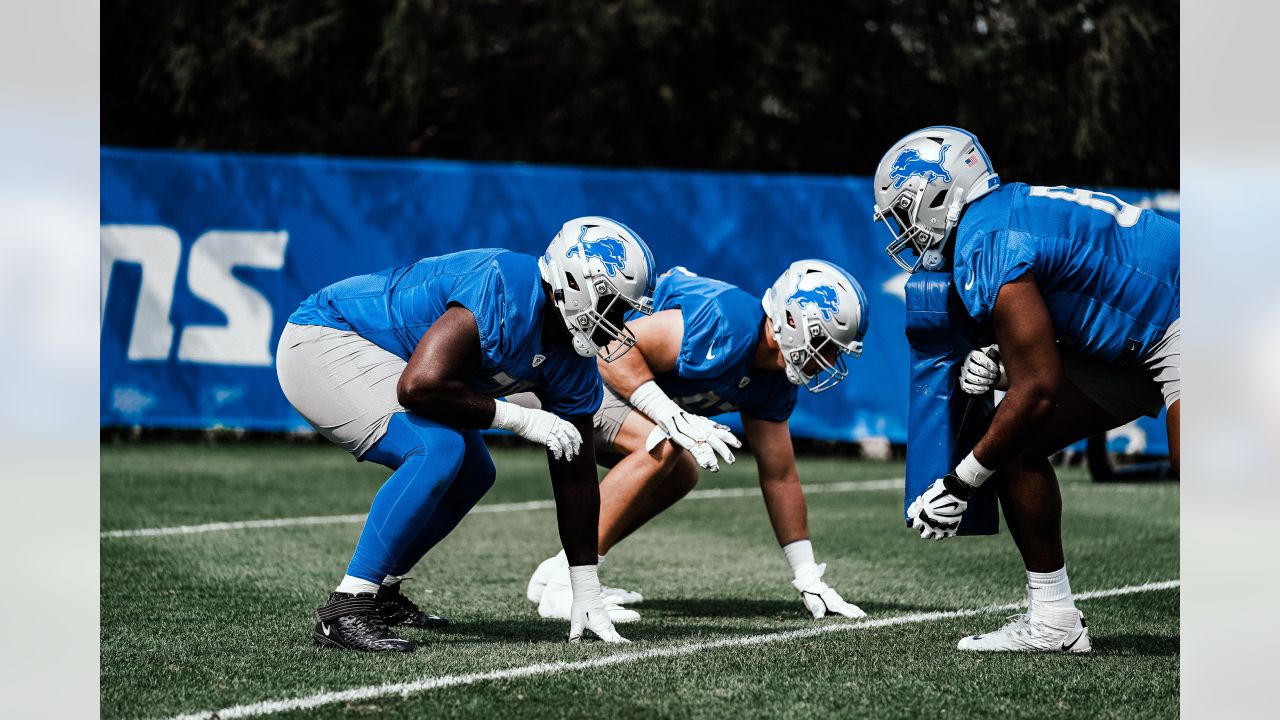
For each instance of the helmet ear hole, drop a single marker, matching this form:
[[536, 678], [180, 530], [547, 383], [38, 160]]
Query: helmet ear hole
[[790, 320], [938, 200], [571, 282]]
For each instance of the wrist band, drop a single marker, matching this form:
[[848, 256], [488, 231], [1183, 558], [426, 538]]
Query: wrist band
[[972, 472]]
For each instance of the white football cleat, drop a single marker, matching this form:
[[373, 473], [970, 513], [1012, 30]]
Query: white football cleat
[[557, 602], [543, 575], [1043, 631], [556, 569], [618, 596]]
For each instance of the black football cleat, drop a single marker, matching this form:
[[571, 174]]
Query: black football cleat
[[396, 609], [352, 622]]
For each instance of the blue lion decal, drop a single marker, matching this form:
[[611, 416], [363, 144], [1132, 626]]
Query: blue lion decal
[[822, 297], [909, 164], [610, 251]]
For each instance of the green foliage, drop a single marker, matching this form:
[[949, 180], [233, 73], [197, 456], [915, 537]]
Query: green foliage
[[1084, 92]]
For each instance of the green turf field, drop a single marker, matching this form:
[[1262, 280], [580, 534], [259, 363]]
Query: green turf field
[[210, 621]]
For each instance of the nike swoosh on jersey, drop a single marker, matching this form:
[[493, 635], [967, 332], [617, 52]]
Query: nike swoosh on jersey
[[713, 347], [969, 283]]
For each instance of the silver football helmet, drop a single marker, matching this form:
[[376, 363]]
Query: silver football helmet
[[598, 269], [922, 184], [815, 308]]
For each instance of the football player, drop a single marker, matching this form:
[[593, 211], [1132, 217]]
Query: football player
[[1080, 293], [401, 368], [710, 348]]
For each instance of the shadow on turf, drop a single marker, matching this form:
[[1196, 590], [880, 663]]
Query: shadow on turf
[[772, 609], [539, 630], [1141, 644]]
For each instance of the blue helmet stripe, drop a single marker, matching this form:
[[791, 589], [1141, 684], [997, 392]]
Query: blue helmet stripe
[[971, 136], [650, 265]]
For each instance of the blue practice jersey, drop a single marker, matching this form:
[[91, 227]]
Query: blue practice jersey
[[1109, 272], [713, 374], [393, 309]]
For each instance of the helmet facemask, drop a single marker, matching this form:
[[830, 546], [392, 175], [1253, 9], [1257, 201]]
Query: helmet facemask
[[908, 234], [814, 346], [611, 339]]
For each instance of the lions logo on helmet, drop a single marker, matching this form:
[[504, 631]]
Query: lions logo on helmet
[[909, 164], [922, 184], [818, 315], [608, 250], [822, 297], [597, 268]]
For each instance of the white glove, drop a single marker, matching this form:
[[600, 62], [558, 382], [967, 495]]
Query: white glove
[[540, 426], [937, 512], [982, 371], [699, 435], [819, 597], [588, 609]]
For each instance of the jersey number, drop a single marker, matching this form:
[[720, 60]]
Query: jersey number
[[1126, 215], [245, 339]]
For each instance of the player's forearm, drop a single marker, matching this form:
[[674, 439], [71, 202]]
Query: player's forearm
[[626, 373], [1018, 419], [446, 401], [577, 494], [784, 499]]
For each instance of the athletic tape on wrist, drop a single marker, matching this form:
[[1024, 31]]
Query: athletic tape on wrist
[[972, 472]]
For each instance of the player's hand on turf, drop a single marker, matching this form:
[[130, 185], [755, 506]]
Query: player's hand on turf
[[982, 371], [559, 436], [588, 611], [936, 513], [820, 598]]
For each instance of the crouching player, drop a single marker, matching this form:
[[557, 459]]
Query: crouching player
[[711, 348], [400, 367], [1080, 291]]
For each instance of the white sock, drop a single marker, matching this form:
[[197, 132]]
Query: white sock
[[1050, 591], [800, 557], [599, 560], [564, 559], [355, 585]]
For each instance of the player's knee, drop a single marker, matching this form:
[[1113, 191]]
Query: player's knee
[[438, 447], [483, 475], [1033, 460], [684, 471]]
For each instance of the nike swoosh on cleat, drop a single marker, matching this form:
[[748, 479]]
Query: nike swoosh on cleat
[[1066, 646], [325, 628]]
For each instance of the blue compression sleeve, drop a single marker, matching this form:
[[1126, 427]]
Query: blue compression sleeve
[[414, 509]]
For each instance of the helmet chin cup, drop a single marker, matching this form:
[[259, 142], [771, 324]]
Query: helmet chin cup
[[583, 347], [932, 259]]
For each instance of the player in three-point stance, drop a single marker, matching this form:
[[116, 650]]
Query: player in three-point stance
[[1080, 293], [711, 348], [401, 367]]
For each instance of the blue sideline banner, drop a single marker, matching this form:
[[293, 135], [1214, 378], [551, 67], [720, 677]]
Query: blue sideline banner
[[205, 255]]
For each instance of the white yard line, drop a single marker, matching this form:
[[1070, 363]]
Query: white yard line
[[404, 689], [838, 487], [863, 486]]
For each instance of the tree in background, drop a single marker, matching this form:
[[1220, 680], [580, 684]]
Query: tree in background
[[1085, 92]]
